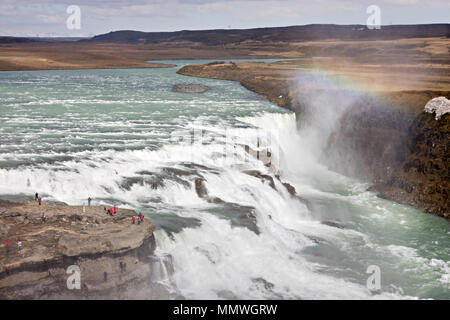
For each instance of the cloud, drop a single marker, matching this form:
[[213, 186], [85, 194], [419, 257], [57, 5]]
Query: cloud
[[50, 19], [18, 17], [401, 2]]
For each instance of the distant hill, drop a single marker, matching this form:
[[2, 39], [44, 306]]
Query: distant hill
[[8, 39], [15, 40], [59, 38], [277, 34]]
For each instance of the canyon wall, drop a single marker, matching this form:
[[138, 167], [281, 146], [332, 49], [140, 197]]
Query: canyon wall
[[405, 156]]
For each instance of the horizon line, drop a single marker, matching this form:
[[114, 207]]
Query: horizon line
[[224, 29]]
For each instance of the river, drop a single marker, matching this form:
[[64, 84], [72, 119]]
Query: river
[[124, 137]]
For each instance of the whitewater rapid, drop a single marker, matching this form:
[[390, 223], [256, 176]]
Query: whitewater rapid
[[249, 238], [219, 261]]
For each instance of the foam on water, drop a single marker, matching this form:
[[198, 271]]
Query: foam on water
[[137, 153]]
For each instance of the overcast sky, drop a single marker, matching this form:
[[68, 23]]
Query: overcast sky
[[48, 17]]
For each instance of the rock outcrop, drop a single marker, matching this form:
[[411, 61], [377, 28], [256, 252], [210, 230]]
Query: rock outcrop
[[368, 141], [190, 88], [113, 255], [405, 158], [269, 180], [422, 178], [202, 192]]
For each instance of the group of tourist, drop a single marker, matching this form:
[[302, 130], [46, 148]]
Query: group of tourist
[[111, 211], [140, 219]]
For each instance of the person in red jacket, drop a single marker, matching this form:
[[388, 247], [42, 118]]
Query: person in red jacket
[[133, 220], [7, 244], [115, 209]]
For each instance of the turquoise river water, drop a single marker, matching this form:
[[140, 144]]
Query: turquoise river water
[[125, 137]]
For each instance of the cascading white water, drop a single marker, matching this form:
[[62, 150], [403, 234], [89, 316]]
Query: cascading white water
[[248, 237], [217, 260]]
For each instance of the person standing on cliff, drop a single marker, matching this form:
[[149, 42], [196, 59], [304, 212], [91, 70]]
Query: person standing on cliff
[[133, 220], [115, 209], [7, 244], [36, 196], [40, 200], [89, 201]]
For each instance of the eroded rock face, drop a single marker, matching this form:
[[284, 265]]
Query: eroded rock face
[[369, 140], [92, 240], [264, 177], [200, 188], [202, 192], [422, 179], [405, 158]]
